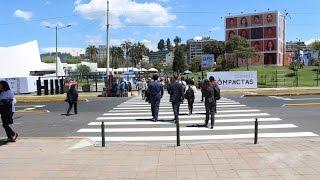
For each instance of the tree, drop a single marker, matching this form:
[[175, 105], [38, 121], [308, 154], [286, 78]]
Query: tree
[[137, 51], [83, 69], [161, 45], [246, 53], [295, 65], [214, 47], [48, 59], [116, 54], [177, 41], [316, 47], [195, 64], [146, 64], [126, 46], [74, 60], [169, 46], [178, 60], [92, 52], [236, 45]]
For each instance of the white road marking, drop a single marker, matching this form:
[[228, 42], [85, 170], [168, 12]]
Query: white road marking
[[108, 123], [185, 117], [207, 137], [161, 107], [173, 129], [147, 112], [167, 104]]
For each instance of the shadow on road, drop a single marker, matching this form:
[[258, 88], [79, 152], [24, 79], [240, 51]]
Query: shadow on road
[[3, 142]]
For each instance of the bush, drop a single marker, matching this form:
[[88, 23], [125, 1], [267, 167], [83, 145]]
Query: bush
[[86, 88], [291, 74]]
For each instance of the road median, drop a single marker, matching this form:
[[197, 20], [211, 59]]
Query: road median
[[275, 91], [32, 98]]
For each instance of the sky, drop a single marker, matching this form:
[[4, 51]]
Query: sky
[[145, 21]]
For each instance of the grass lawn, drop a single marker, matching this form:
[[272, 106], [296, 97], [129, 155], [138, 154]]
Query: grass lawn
[[277, 76]]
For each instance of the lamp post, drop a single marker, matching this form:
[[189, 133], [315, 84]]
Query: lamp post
[[57, 28]]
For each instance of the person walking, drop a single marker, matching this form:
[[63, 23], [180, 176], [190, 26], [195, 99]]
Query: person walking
[[190, 94], [72, 99], [176, 91], [7, 110], [210, 102], [155, 94], [122, 88], [143, 87]]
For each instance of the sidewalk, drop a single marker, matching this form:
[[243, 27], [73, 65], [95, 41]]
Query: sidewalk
[[60, 158]]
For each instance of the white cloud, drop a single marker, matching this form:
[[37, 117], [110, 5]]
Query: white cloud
[[180, 27], [214, 29], [308, 42], [149, 44], [74, 51], [125, 11], [25, 15], [59, 24], [93, 39], [47, 2]]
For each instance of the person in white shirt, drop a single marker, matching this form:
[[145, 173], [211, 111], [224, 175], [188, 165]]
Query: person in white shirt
[[7, 110]]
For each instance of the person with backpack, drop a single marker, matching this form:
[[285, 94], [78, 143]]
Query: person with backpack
[[216, 89], [190, 94], [72, 99], [210, 102]]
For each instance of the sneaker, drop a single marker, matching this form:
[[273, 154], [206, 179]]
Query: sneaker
[[14, 137]]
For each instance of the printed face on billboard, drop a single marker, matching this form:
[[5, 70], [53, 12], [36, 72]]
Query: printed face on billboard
[[231, 34], [270, 58], [257, 60], [245, 33], [258, 45], [256, 20], [244, 21], [270, 18], [270, 45], [231, 23], [270, 32], [256, 33]]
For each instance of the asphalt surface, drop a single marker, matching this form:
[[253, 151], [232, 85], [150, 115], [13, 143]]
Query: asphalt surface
[[307, 118], [54, 124]]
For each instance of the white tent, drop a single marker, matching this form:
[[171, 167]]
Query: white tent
[[19, 60], [153, 70]]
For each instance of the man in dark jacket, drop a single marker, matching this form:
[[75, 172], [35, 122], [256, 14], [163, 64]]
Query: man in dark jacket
[[72, 99], [176, 92], [155, 89]]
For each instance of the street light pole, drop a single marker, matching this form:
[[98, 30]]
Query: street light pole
[[57, 50], [107, 44], [56, 29]]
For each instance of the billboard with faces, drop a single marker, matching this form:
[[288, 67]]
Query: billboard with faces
[[244, 22], [231, 23]]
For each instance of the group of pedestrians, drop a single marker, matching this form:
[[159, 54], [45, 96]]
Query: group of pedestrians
[[119, 89], [180, 89]]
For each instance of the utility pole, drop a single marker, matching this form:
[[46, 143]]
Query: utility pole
[[56, 29], [57, 50], [107, 52]]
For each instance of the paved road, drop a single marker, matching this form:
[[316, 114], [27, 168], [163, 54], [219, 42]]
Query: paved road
[[236, 117], [53, 124], [130, 122]]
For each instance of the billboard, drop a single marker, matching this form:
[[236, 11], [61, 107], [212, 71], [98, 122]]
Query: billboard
[[207, 60], [264, 31], [235, 79]]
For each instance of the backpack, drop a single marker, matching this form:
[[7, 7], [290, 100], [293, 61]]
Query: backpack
[[189, 93], [216, 93]]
